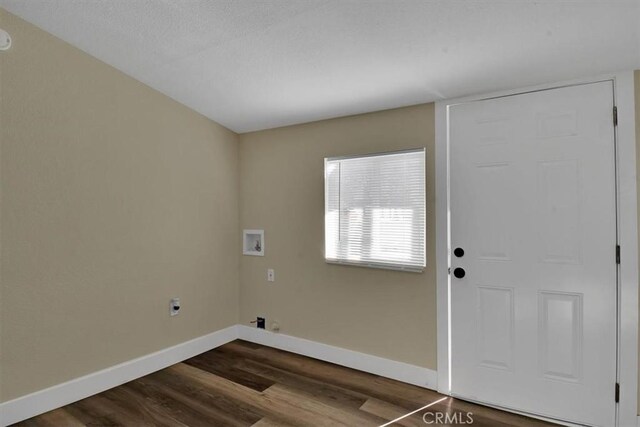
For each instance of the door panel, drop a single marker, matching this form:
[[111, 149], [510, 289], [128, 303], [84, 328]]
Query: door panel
[[532, 196], [560, 336], [559, 211], [495, 337]]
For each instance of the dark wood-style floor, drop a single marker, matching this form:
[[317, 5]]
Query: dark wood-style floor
[[245, 384]]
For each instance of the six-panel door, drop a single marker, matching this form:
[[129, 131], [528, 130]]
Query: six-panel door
[[532, 187]]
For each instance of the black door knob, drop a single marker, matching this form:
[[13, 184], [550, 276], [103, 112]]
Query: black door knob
[[459, 252], [459, 273]]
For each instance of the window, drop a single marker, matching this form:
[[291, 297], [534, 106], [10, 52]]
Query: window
[[374, 210]]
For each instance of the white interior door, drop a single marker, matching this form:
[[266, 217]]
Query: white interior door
[[533, 206]]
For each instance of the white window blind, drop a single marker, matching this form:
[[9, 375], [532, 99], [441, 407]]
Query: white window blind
[[375, 210]]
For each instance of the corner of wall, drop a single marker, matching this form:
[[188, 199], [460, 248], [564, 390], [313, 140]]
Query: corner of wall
[[636, 75]]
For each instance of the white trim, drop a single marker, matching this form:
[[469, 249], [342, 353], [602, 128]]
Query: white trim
[[442, 248], [416, 375], [627, 230], [42, 401], [628, 239], [63, 394], [380, 266]]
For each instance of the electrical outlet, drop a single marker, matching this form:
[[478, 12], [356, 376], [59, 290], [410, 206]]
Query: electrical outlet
[[271, 275], [174, 306], [260, 322]]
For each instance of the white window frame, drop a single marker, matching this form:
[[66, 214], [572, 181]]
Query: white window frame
[[384, 266]]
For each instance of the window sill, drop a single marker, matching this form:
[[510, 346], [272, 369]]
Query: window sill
[[394, 267]]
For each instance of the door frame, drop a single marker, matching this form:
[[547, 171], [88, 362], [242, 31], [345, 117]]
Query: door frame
[[625, 134]]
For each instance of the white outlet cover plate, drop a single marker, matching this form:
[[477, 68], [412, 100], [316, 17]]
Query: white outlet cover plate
[[5, 40]]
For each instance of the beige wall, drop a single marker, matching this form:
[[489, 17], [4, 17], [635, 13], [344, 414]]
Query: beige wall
[[385, 313], [114, 199]]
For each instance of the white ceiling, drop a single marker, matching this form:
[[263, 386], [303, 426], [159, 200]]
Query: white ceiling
[[256, 64]]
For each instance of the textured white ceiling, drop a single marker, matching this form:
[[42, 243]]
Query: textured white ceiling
[[256, 64]]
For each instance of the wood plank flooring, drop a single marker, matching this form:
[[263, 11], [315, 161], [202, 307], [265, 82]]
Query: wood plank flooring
[[245, 384]]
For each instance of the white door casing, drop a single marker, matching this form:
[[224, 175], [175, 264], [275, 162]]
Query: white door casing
[[532, 199]]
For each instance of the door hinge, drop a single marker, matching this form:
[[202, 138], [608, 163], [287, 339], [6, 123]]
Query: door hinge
[[617, 254], [617, 392], [615, 116]]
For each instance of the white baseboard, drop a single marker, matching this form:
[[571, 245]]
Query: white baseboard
[[63, 394], [416, 375]]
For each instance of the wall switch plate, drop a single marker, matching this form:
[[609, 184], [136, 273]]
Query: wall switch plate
[[271, 275]]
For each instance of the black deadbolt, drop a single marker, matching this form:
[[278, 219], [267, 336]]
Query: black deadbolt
[[459, 252], [459, 273]]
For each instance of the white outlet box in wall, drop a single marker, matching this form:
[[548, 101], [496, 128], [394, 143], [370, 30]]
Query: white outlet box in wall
[[271, 275], [253, 242]]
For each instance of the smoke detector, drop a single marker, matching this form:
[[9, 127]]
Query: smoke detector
[[5, 40]]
